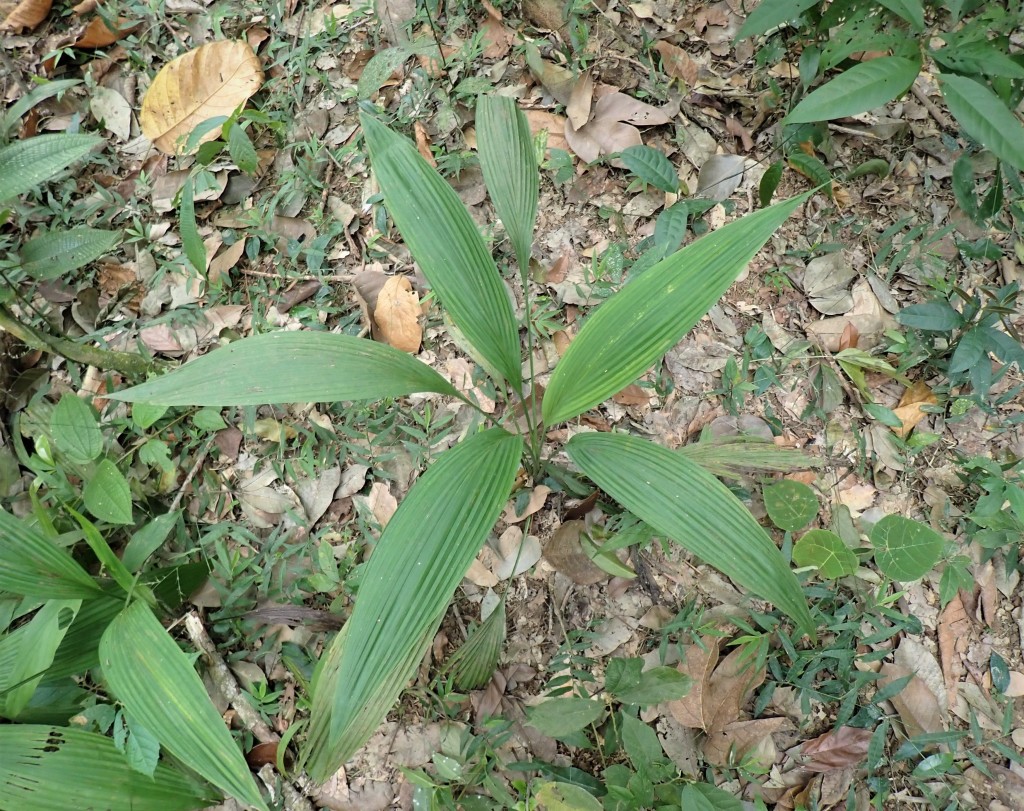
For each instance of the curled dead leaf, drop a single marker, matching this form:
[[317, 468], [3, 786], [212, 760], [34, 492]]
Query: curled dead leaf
[[210, 81], [26, 15]]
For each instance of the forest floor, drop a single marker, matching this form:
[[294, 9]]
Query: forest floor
[[911, 696]]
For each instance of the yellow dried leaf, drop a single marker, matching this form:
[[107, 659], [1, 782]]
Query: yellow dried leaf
[[398, 315], [909, 409], [211, 81]]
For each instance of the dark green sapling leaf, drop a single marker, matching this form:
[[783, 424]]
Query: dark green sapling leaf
[[651, 166], [561, 716]]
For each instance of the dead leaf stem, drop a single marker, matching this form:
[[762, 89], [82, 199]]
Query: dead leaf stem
[[126, 363]]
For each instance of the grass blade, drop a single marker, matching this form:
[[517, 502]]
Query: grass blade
[[648, 316], [44, 767], [156, 683], [686, 503], [291, 367], [509, 164], [415, 568], [448, 247]]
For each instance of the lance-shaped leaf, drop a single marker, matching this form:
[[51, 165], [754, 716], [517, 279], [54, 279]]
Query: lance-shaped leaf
[[861, 88], [985, 118], [34, 566], [684, 502], [421, 557], [291, 367], [27, 652], [649, 315], [509, 164], [159, 688], [46, 767], [26, 164], [445, 242]]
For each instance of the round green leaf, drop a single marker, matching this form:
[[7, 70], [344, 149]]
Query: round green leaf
[[905, 550], [107, 495], [826, 551], [791, 505], [75, 430]]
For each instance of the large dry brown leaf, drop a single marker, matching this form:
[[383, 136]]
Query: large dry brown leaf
[[954, 634], [917, 706], [211, 81], [26, 15], [836, 749], [398, 315], [611, 128], [578, 108], [678, 63], [565, 554], [720, 688]]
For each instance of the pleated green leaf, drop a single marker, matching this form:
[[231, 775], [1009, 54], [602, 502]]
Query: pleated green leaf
[[159, 688], [27, 652], [985, 118], [684, 502], [43, 768], [34, 566], [509, 163], [445, 242], [863, 87], [421, 557], [26, 164], [291, 367], [55, 253], [649, 315]]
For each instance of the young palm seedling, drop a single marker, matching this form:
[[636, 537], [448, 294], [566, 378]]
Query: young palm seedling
[[444, 520]]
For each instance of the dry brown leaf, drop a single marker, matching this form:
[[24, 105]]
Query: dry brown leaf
[[916, 704], [743, 740], [678, 63], [394, 17], [692, 709], [836, 749], [954, 633], [541, 120], [611, 128], [909, 408], [546, 14], [26, 15], [632, 395], [496, 35], [379, 502], [98, 34], [565, 554], [210, 81], [867, 316], [222, 263], [397, 315], [537, 498], [423, 143], [578, 108]]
